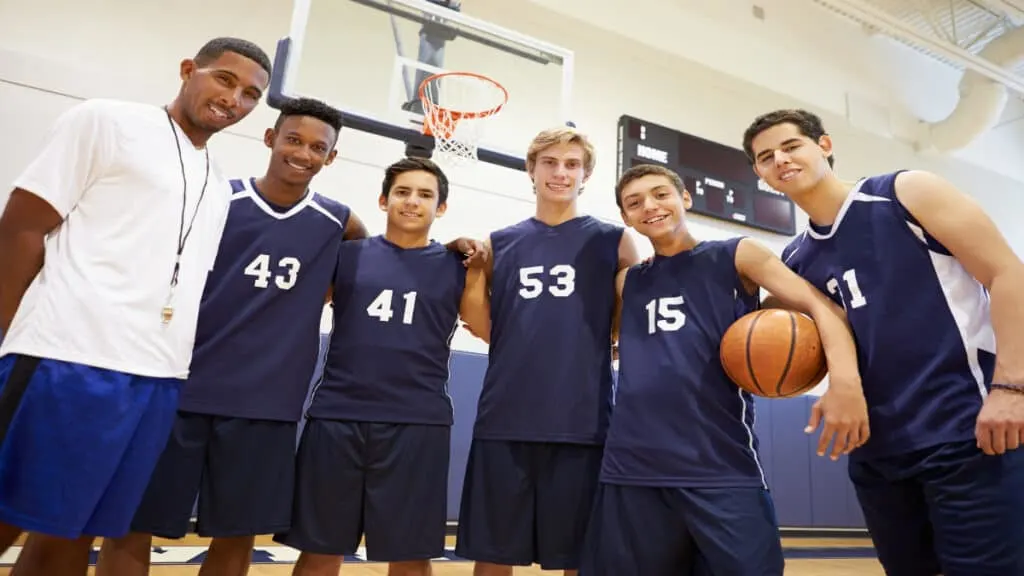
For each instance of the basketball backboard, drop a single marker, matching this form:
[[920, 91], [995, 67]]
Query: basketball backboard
[[368, 57]]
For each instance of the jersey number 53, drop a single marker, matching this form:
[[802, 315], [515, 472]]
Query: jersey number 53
[[560, 280]]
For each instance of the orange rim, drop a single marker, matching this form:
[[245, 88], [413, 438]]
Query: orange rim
[[433, 111]]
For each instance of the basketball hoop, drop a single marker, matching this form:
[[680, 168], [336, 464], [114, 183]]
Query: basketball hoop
[[456, 105]]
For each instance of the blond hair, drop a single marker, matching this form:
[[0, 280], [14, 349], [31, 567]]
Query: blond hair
[[561, 135]]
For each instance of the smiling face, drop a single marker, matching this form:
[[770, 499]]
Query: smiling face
[[220, 93], [559, 162], [413, 201], [300, 147], [789, 150], [789, 161], [559, 173], [654, 205]]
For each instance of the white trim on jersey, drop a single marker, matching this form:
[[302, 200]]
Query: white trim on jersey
[[855, 195], [968, 303], [448, 365], [750, 434], [308, 201], [967, 299], [325, 338]]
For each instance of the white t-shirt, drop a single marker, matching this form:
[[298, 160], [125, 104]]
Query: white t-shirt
[[112, 170]]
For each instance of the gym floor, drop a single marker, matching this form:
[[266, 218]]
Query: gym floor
[[805, 556]]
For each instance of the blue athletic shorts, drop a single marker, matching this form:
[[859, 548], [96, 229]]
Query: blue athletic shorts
[[527, 503], [78, 444], [947, 509], [383, 483], [651, 531], [241, 471]]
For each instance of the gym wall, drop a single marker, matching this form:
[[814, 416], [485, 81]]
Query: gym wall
[[723, 72]]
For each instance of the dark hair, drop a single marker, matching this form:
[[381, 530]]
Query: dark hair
[[218, 46], [411, 164], [808, 123], [641, 170], [312, 108]]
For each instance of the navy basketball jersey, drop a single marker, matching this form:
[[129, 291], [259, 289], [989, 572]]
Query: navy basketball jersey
[[395, 314], [549, 374], [678, 420], [259, 323], [925, 344]]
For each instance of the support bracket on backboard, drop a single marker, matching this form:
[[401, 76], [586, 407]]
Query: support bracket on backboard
[[552, 67], [417, 143]]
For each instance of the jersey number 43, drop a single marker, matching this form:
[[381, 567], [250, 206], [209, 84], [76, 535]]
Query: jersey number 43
[[287, 271]]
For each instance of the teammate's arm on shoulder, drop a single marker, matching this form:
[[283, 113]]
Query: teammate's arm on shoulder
[[25, 222], [487, 264], [620, 282], [770, 300], [959, 223], [629, 256], [354, 228], [759, 266], [477, 253], [475, 307], [843, 408], [628, 253]]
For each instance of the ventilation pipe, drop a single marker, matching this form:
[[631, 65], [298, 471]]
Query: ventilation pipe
[[982, 100], [984, 87]]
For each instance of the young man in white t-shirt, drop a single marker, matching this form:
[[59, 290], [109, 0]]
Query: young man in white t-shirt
[[127, 208]]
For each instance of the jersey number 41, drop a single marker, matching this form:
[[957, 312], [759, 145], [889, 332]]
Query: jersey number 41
[[381, 308]]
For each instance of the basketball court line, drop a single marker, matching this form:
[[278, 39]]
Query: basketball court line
[[194, 555]]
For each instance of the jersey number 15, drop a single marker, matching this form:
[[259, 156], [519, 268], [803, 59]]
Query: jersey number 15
[[664, 314]]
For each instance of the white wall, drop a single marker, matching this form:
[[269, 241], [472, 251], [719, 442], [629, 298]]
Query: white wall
[[53, 52], [807, 53]]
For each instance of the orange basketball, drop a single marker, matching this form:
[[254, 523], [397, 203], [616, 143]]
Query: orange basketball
[[773, 353]]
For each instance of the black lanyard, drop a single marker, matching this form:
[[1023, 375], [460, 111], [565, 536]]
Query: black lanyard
[[183, 233]]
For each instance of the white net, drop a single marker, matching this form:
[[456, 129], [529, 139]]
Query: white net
[[456, 107]]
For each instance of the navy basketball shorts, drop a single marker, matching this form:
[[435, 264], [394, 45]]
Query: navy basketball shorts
[[388, 482], [649, 531], [241, 470], [948, 509], [78, 444], [527, 503]]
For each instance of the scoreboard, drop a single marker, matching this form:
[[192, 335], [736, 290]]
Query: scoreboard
[[719, 178]]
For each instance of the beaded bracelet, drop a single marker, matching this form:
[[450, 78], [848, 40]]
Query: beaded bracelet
[[1019, 389]]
